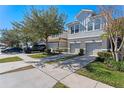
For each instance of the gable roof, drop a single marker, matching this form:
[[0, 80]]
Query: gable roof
[[74, 22], [84, 11]]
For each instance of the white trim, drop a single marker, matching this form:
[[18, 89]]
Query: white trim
[[93, 41], [75, 42]]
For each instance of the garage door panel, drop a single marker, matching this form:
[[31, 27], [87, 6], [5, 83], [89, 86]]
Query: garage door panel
[[90, 47], [74, 47], [53, 45]]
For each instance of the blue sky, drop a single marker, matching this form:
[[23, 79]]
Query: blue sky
[[10, 13]]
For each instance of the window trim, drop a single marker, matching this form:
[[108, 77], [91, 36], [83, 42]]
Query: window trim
[[90, 24], [73, 29], [97, 24], [77, 28]]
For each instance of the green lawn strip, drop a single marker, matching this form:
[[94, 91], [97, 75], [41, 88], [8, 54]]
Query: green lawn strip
[[18, 69], [38, 55], [100, 72], [60, 85], [61, 59], [10, 59]]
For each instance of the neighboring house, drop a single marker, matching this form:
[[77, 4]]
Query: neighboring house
[[85, 33], [59, 41]]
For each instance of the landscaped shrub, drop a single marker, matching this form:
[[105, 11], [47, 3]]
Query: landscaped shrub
[[114, 65], [104, 55], [63, 50], [48, 51], [59, 50], [121, 66], [99, 59], [98, 69], [81, 52]]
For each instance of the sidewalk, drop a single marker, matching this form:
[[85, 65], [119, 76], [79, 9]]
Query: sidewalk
[[4, 67], [71, 79], [26, 58]]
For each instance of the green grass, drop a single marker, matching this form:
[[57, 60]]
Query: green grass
[[61, 59], [40, 55], [59, 85], [99, 71], [10, 59]]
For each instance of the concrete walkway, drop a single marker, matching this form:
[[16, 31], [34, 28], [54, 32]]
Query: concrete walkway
[[25, 57], [4, 67]]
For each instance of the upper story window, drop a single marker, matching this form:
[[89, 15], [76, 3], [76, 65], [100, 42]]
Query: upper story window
[[97, 24], [72, 30], [90, 25], [77, 28], [82, 28]]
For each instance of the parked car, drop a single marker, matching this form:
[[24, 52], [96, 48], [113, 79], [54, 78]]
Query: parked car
[[35, 48], [12, 50]]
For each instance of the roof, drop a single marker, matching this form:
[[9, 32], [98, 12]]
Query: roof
[[74, 22], [84, 11]]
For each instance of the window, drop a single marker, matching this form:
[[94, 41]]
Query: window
[[76, 28], [97, 24], [90, 26], [72, 30]]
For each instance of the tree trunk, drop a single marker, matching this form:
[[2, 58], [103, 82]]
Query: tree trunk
[[58, 43], [46, 42], [26, 45], [112, 48], [117, 56], [113, 54]]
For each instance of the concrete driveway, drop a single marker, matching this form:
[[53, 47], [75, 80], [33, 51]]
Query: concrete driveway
[[49, 75], [32, 78]]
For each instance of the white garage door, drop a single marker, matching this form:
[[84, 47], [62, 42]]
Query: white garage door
[[74, 48], [91, 47], [53, 45]]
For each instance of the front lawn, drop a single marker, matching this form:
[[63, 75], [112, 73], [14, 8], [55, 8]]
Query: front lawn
[[99, 71], [10, 59], [39, 55], [59, 85]]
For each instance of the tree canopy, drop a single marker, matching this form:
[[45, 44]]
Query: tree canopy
[[36, 25], [114, 28]]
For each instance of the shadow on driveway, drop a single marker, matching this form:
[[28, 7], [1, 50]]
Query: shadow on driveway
[[75, 63]]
